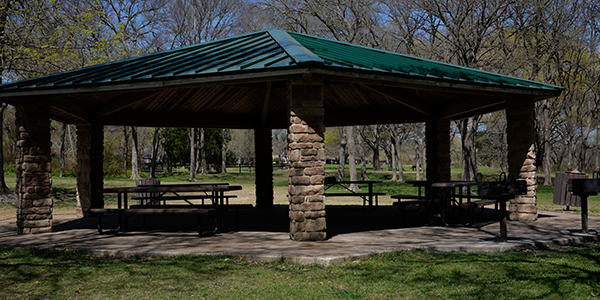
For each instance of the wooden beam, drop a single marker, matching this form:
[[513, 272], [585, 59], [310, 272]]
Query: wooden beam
[[359, 118], [265, 110], [393, 93], [183, 119], [437, 84], [70, 108], [472, 106], [122, 101]]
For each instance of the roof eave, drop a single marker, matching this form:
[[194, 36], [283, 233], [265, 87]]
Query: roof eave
[[281, 73], [421, 82]]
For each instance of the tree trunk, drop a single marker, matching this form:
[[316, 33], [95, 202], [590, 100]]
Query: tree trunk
[[393, 161], [373, 144], [62, 149], [363, 169], [352, 157], [203, 151], [73, 150], [342, 160], [419, 138], [125, 149], [376, 141], [597, 149], [224, 153], [154, 153], [6, 196], [135, 173], [398, 155], [468, 129], [351, 149], [193, 162]]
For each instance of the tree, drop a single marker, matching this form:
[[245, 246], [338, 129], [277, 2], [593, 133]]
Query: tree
[[203, 152], [352, 156], [154, 157], [225, 135], [176, 146], [193, 155], [242, 145], [471, 30], [135, 173], [419, 140], [342, 159], [372, 137], [125, 149], [62, 149], [6, 196], [190, 22], [399, 133]]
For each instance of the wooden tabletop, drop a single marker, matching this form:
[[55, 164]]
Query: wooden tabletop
[[356, 181], [441, 183], [185, 184], [166, 189], [451, 184]]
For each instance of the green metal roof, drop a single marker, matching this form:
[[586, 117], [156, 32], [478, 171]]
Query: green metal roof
[[272, 49]]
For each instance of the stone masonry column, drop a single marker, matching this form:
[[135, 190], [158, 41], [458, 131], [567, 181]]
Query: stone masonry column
[[264, 167], [90, 174], [521, 157], [307, 158], [437, 151], [33, 165]]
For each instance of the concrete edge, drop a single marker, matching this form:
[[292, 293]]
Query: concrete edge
[[334, 260]]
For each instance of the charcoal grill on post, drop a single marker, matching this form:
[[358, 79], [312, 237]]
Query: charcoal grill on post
[[503, 191], [508, 190], [584, 188]]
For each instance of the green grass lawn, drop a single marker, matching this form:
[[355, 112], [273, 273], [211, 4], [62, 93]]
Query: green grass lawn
[[566, 272]]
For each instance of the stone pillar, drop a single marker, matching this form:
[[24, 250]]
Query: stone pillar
[[90, 174], [33, 166], [307, 159], [520, 135], [264, 167], [437, 151]]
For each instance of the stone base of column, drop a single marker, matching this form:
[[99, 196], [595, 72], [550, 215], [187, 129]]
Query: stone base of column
[[524, 207]]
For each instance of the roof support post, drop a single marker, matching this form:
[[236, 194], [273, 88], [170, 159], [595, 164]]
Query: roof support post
[[437, 149], [520, 135], [307, 158], [264, 167], [90, 175], [33, 165]]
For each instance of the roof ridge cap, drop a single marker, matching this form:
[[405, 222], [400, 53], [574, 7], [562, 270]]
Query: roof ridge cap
[[293, 48]]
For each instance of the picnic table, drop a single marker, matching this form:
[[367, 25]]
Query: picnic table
[[155, 198], [368, 196], [438, 195], [445, 194]]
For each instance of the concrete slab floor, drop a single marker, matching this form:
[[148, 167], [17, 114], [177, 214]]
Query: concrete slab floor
[[353, 232]]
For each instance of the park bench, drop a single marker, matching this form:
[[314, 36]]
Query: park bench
[[123, 215], [220, 209]]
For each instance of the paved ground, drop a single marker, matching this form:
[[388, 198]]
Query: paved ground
[[353, 232]]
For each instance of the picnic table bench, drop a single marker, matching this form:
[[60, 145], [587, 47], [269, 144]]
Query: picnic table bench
[[150, 211], [150, 198], [365, 196]]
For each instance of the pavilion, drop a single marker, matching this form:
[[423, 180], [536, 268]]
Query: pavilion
[[261, 81]]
